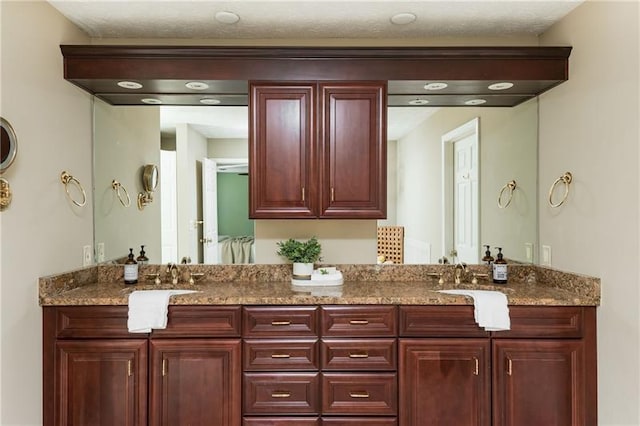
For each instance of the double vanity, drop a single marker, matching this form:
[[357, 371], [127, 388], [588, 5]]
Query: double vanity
[[385, 348]]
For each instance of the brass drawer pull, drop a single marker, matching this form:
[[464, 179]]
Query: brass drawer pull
[[280, 356], [476, 371], [359, 322], [359, 355], [281, 394], [359, 394], [276, 323]]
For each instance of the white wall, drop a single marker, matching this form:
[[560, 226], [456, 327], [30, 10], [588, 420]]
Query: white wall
[[41, 232], [228, 148], [589, 126], [508, 144], [125, 139]]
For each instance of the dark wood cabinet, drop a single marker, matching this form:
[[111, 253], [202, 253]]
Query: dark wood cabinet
[[101, 382], [445, 382], [317, 150], [538, 383], [195, 381]]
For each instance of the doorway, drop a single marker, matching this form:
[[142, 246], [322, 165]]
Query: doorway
[[461, 204]]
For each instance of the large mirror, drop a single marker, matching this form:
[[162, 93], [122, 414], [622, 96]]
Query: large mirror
[[447, 169]]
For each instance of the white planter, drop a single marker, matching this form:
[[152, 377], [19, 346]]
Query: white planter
[[302, 271]]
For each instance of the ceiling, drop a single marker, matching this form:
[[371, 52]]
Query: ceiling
[[306, 19]]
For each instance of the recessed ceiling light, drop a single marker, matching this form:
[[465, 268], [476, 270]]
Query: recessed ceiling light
[[227, 17], [475, 102], [151, 101], [130, 85], [403, 18], [435, 86], [209, 101], [197, 85], [419, 102], [501, 86]]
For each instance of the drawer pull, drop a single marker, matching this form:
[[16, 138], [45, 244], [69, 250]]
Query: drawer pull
[[280, 356], [359, 322], [509, 367], [476, 371], [359, 355], [359, 394], [277, 323], [281, 394]]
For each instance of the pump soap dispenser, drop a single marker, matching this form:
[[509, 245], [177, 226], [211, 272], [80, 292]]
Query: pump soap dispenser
[[487, 256], [500, 268], [142, 259], [130, 269]]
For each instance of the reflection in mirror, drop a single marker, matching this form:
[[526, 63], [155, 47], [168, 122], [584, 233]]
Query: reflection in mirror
[[189, 143]]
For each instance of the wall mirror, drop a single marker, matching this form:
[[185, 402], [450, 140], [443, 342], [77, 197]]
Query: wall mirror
[[8, 145], [202, 156]]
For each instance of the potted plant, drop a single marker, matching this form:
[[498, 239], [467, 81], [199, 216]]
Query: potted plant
[[303, 254]]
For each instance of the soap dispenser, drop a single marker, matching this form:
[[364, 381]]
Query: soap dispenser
[[487, 256], [142, 259], [500, 268], [130, 269]]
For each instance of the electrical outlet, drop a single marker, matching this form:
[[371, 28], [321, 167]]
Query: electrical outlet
[[100, 254], [87, 256], [528, 252], [546, 255]]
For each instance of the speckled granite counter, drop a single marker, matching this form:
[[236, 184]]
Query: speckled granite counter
[[364, 284]]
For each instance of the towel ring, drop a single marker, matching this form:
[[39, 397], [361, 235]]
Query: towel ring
[[566, 179], [510, 186], [66, 179], [119, 189]]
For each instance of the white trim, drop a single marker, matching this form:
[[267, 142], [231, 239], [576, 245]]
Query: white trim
[[470, 128]]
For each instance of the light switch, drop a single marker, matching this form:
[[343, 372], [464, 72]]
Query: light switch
[[546, 255], [87, 256], [528, 252]]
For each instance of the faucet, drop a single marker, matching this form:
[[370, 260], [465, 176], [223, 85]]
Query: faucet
[[172, 269], [460, 271]]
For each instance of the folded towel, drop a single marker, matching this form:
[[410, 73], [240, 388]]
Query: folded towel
[[148, 309], [491, 310]]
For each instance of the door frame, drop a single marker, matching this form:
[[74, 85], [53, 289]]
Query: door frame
[[470, 128]]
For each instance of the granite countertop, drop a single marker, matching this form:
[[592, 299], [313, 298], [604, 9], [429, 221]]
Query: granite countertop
[[364, 284]]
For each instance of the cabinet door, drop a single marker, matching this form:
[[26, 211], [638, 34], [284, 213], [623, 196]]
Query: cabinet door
[[101, 382], [281, 151], [353, 172], [195, 382], [538, 383], [444, 382]]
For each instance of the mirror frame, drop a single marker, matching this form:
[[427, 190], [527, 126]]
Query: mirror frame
[[8, 135]]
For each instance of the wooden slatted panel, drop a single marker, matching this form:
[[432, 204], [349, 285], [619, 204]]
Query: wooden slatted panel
[[391, 243]]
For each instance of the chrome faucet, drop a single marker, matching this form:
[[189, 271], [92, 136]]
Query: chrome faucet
[[460, 271], [172, 269]]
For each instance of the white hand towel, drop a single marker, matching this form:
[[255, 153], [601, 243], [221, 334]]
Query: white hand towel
[[148, 309], [491, 310]]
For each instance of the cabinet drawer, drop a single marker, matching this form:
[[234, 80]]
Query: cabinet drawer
[[360, 421], [281, 421], [439, 321], [280, 321], [542, 322], [283, 393], [201, 321], [280, 355], [360, 393], [90, 321], [358, 354], [359, 321]]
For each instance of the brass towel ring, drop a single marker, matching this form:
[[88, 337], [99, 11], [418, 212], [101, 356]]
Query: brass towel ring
[[510, 186], [119, 189], [66, 179], [566, 179]]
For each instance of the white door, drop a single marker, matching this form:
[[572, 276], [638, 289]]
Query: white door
[[210, 211], [168, 203], [465, 199]]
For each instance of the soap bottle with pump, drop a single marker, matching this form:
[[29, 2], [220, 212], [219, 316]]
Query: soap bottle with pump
[[500, 268], [487, 256], [142, 259], [130, 269]]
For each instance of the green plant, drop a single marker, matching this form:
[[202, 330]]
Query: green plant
[[299, 251]]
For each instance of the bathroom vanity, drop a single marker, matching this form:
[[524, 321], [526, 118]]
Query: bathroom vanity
[[383, 349]]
